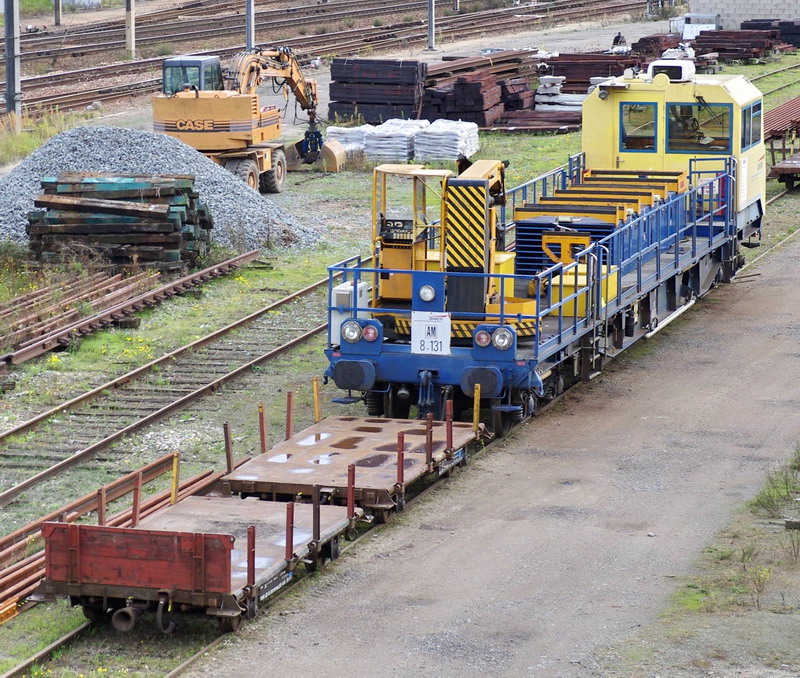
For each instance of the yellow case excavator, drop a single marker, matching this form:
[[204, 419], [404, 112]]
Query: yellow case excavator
[[219, 113]]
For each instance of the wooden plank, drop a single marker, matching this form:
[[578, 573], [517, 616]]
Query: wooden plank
[[101, 206]]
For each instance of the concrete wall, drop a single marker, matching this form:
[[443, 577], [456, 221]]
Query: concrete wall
[[733, 12]]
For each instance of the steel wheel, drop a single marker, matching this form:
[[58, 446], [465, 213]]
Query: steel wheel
[[230, 624]]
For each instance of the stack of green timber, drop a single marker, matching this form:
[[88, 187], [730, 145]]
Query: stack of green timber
[[134, 220]]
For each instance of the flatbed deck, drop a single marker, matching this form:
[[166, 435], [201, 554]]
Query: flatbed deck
[[197, 555], [321, 455], [786, 171]]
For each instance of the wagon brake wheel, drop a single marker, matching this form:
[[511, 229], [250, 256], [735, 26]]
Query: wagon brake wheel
[[230, 624]]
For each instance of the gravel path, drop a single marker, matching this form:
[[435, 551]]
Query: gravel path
[[568, 538], [242, 218]]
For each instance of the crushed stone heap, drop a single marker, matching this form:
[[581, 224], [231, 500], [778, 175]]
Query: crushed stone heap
[[243, 218]]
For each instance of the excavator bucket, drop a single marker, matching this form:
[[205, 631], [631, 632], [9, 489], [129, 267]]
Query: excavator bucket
[[331, 159]]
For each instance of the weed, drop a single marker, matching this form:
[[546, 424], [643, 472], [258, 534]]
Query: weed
[[164, 49], [791, 546], [377, 23]]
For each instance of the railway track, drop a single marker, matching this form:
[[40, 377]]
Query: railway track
[[79, 429], [341, 43]]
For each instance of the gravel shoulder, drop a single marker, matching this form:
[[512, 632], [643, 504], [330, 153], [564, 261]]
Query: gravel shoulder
[[568, 540]]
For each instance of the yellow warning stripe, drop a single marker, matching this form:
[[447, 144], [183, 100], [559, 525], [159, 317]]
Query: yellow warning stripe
[[463, 329], [466, 243]]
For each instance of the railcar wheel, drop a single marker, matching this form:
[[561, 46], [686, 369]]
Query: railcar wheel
[[500, 422], [382, 515], [94, 614], [397, 408], [315, 561], [230, 624]]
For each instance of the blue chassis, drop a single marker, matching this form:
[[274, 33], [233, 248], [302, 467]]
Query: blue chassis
[[647, 251]]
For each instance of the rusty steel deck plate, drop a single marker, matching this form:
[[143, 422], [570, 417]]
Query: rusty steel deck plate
[[221, 515], [320, 455]]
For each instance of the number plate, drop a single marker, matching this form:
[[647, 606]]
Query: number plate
[[430, 333]]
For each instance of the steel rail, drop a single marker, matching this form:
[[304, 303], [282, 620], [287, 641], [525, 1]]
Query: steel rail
[[550, 11], [778, 89], [353, 41], [43, 344], [370, 533], [771, 73], [265, 20]]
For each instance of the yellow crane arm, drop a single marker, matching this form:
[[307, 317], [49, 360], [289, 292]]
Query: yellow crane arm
[[249, 69]]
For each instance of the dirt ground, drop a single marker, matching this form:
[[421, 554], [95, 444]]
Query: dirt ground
[[568, 540], [558, 551]]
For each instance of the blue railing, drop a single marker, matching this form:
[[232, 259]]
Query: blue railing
[[604, 278], [544, 184]]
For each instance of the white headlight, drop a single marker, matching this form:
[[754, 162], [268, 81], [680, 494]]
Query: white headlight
[[427, 293], [351, 331], [502, 338]]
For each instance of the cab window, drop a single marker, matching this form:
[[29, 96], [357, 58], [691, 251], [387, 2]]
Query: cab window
[[638, 127], [698, 128], [212, 77], [751, 125], [175, 77]]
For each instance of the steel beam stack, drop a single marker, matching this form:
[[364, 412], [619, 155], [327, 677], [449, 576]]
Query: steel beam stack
[[154, 220], [789, 30], [739, 45], [376, 89]]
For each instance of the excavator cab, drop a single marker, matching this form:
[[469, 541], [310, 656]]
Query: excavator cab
[[201, 73]]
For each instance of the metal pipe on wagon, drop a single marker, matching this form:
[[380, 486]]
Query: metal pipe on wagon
[[315, 501], [137, 500], [351, 491], [262, 427], [448, 417], [429, 440], [226, 430], [401, 446], [251, 555], [101, 506], [289, 553], [176, 480], [289, 402], [476, 409]]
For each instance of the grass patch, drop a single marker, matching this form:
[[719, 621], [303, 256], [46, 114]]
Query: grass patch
[[38, 627], [35, 131]]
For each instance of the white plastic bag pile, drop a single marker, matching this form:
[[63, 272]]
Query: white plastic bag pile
[[351, 139], [446, 140], [392, 141], [348, 135]]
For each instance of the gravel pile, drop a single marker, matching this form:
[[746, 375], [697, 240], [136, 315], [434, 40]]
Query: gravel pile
[[242, 218]]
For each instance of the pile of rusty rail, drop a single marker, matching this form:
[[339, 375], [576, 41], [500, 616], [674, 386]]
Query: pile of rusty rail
[[579, 68], [63, 335], [789, 30], [43, 311], [740, 45], [462, 88], [154, 220], [376, 89], [653, 46], [21, 552], [538, 122]]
